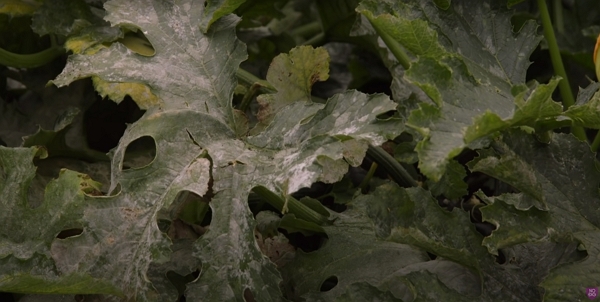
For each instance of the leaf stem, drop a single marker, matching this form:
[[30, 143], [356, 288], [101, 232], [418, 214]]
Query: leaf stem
[[316, 40], [309, 29], [248, 96], [295, 207], [391, 166], [557, 9], [393, 45], [365, 182], [557, 63], [43, 57], [251, 79]]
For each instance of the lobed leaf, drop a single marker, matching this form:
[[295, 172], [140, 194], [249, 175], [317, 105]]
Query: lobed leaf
[[471, 64], [566, 175]]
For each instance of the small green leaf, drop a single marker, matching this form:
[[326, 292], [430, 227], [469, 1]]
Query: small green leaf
[[292, 75], [215, 9], [451, 185]]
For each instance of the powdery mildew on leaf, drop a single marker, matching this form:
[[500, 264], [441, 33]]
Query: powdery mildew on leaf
[[566, 174], [469, 62], [183, 72], [373, 239], [194, 129]]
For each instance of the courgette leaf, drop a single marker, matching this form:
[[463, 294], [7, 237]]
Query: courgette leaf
[[199, 146]]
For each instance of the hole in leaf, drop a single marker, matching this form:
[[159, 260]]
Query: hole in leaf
[[431, 256], [386, 115], [115, 191], [192, 208], [81, 298], [163, 225], [138, 43], [139, 153], [306, 243], [484, 228], [248, 296], [500, 259], [105, 122], [180, 281], [329, 284], [330, 203], [69, 233], [192, 216]]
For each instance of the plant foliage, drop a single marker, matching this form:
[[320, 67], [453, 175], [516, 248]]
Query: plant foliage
[[275, 150]]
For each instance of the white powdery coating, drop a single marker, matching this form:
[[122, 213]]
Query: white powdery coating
[[296, 170]]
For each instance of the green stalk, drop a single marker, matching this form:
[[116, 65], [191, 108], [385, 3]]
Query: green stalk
[[557, 9], [596, 142], [393, 45], [316, 40], [557, 63], [295, 207], [248, 96], [391, 166], [33, 60], [250, 79], [309, 29], [365, 183]]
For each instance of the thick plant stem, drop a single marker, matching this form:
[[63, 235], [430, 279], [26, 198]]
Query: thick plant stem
[[295, 207], [33, 60], [557, 63], [391, 166]]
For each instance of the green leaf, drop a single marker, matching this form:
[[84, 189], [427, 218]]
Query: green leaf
[[469, 62], [412, 216], [215, 9], [584, 112], [63, 17], [349, 255], [24, 250], [513, 170], [157, 72], [55, 140], [293, 76], [198, 138], [566, 174], [451, 185], [370, 242]]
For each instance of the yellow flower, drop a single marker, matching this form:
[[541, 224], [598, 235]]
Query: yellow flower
[[596, 61]]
